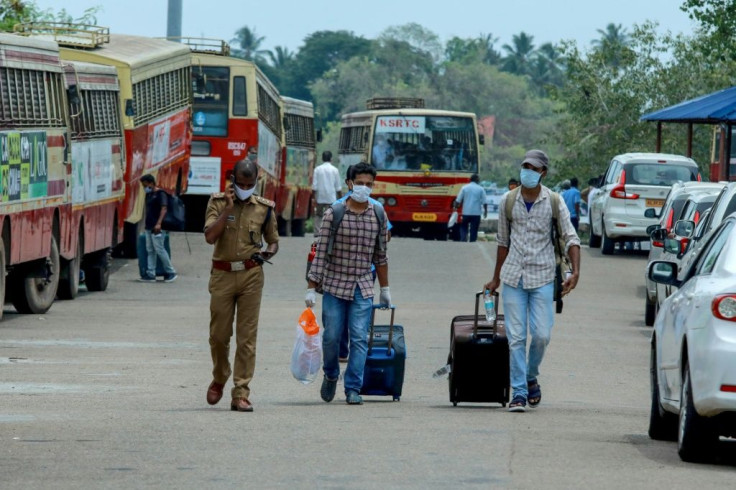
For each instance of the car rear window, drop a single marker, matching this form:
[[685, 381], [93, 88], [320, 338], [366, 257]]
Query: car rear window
[[659, 174]]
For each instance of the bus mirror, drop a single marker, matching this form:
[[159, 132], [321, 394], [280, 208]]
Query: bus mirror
[[482, 139], [319, 136], [73, 95], [366, 136], [287, 126], [129, 108]]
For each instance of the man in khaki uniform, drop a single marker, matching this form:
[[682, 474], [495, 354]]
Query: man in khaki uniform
[[237, 222]]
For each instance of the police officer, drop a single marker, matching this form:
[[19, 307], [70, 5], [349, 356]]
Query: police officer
[[237, 222]]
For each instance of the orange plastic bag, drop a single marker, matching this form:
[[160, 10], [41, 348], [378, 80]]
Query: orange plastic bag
[[306, 359]]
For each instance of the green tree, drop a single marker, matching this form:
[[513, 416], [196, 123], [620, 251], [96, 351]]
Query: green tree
[[247, 44], [519, 54], [18, 11], [717, 19], [613, 44], [280, 57]]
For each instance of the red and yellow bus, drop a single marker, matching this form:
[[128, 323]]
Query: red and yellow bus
[[97, 169], [35, 210], [154, 104], [300, 139], [423, 158], [236, 110]]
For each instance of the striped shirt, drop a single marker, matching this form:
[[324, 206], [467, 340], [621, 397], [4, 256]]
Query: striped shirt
[[354, 249], [531, 254]]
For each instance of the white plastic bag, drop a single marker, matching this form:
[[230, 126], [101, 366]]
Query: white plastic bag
[[306, 359], [453, 219]]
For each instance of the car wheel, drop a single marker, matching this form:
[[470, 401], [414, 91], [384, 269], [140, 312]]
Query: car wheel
[[595, 240], [608, 245], [662, 425], [650, 311], [696, 436]]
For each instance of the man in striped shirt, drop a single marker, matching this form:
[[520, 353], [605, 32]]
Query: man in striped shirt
[[525, 263], [347, 283]]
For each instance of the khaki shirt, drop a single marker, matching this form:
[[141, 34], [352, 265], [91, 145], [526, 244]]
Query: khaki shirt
[[244, 231]]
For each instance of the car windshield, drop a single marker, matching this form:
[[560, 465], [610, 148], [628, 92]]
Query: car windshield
[[659, 174], [424, 143]]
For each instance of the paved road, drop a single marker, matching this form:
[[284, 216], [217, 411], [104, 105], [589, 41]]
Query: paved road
[[108, 391]]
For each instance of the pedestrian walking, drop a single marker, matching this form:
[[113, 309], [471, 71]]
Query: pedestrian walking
[[473, 199], [525, 264], [326, 187], [342, 271], [237, 222], [156, 206], [572, 200]]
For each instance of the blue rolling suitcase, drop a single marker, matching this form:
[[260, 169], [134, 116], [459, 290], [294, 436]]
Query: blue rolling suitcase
[[143, 255], [384, 365]]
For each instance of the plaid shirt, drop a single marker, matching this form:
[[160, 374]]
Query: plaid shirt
[[531, 255], [352, 254]]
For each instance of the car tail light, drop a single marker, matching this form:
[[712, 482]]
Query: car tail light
[[619, 192], [670, 217], [684, 242], [696, 218], [699, 178], [724, 307], [728, 388], [657, 243]]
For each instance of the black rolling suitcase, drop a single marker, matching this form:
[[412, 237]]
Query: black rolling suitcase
[[479, 359], [386, 359], [143, 255]]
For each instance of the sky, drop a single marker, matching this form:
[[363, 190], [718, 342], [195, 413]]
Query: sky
[[288, 22]]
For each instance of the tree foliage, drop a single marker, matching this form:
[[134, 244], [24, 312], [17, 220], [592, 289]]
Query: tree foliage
[[14, 12]]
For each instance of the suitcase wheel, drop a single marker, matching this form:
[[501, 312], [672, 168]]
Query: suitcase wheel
[[397, 398], [454, 404]]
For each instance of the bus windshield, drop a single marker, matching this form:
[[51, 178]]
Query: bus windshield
[[439, 143], [211, 87]]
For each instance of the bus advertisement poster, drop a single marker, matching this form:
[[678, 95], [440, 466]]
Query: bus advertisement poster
[[23, 165]]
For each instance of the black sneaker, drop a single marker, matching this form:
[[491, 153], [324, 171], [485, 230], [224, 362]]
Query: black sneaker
[[146, 279], [329, 386], [354, 398], [171, 277], [518, 404]]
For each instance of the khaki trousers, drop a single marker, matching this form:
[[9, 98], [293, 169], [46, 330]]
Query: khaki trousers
[[229, 291]]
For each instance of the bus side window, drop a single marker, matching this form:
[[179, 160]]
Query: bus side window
[[240, 106]]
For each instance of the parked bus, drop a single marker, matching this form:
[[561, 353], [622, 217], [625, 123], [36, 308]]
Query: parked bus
[[35, 211], [718, 169], [236, 111], [423, 158], [154, 103], [295, 196], [97, 169]]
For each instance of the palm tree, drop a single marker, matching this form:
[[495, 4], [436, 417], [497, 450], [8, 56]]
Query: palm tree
[[486, 43], [248, 44], [613, 42], [518, 57], [280, 56]]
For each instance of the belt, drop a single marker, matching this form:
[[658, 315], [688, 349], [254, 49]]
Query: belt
[[239, 265]]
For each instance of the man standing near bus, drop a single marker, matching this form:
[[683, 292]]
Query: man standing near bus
[[237, 222], [473, 199], [326, 187]]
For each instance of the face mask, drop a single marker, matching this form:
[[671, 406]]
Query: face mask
[[530, 178], [148, 190], [360, 193], [243, 194]]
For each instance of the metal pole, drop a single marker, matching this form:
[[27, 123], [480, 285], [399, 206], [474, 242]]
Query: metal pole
[[729, 134], [690, 140], [659, 137], [722, 155], [173, 25]]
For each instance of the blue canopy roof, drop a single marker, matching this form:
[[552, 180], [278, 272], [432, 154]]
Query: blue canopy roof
[[713, 108]]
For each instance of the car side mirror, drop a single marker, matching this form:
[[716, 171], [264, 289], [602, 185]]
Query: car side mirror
[[651, 228], [658, 234], [684, 228], [319, 136], [663, 272], [129, 108], [482, 139], [672, 246], [287, 125], [651, 213]]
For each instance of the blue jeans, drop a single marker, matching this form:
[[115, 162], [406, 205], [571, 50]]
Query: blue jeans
[[469, 221], [335, 311], [531, 309], [155, 248]]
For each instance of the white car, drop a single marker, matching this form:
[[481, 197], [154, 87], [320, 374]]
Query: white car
[[633, 183], [693, 355]]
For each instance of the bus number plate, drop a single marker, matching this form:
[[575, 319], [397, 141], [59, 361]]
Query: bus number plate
[[424, 217]]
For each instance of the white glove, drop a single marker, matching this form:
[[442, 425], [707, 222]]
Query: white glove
[[311, 298], [385, 298]]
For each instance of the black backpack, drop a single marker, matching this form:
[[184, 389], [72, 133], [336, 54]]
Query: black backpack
[[175, 218]]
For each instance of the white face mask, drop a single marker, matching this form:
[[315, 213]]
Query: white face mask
[[243, 194], [360, 193]]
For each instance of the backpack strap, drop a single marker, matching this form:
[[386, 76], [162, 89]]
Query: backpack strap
[[338, 212], [510, 200]]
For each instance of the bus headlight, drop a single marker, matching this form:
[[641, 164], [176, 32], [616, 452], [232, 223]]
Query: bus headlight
[[381, 200], [391, 201]]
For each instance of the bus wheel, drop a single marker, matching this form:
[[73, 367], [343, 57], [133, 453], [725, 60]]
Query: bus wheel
[[97, 272], [35, 292], [2, 277], [297, 227], [69, 280]]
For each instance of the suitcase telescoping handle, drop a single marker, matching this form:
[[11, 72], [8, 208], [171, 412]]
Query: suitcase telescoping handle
[[477, 303], [390, 328]]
